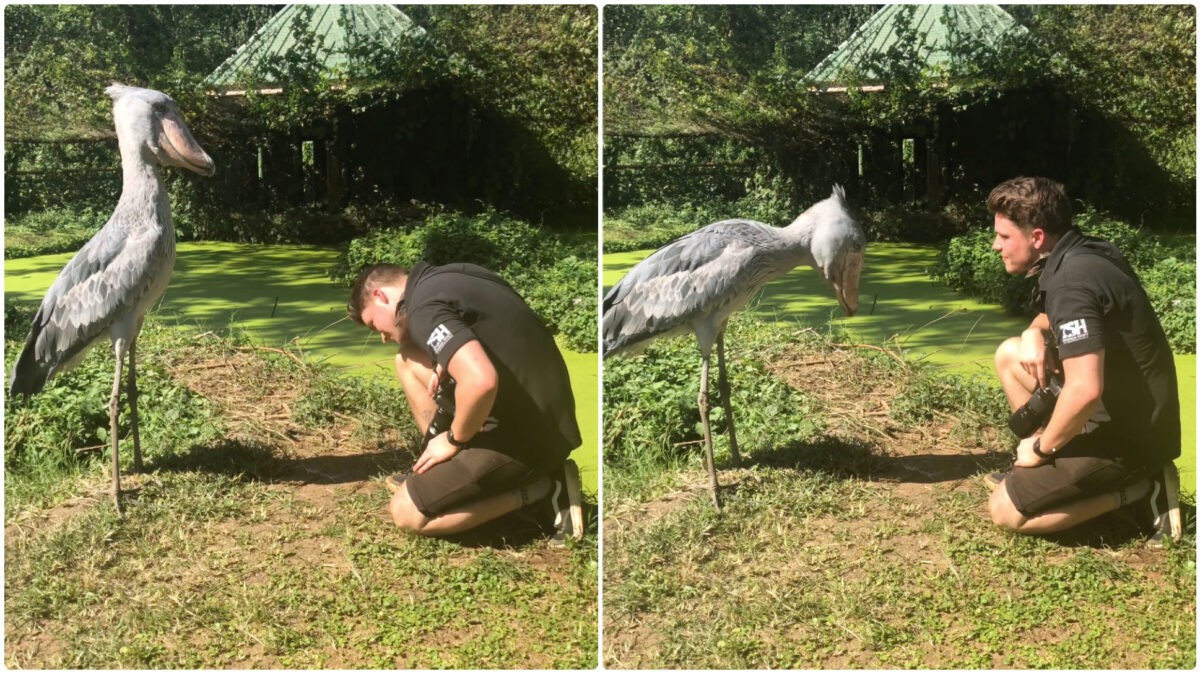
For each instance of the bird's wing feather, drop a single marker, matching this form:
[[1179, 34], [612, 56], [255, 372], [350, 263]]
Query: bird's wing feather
[[690, 277], [104, 280]]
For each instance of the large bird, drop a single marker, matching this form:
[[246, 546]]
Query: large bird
[[124, 269], [695, 282]]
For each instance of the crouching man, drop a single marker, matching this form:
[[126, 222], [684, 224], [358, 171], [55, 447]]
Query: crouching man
[[488, 389], [1114, 431]]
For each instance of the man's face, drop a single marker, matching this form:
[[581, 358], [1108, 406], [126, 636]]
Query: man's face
[[1017, 249], [380, 315]]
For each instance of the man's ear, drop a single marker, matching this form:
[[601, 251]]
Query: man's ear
[[1038, 237], [378, 294]]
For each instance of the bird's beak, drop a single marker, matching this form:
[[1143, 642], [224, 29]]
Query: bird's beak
[[183, 150], [845, 284]]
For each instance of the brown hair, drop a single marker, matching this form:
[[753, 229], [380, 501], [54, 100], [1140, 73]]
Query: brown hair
[[1033, 203], [370, 278]]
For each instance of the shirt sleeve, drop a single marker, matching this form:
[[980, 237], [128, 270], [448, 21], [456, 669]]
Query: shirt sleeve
[[1075, 314], [439, 328]]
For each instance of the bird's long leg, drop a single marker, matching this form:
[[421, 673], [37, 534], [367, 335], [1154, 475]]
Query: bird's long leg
[[131, 392], [114, 410], [708, 445], [726, 400]]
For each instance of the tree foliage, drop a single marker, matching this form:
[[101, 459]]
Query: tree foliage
[[1124, 74], [499, 100]]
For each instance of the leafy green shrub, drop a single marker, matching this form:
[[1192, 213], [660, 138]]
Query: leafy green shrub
[[654, 224], [1171, 286], [58, 230], [43, 432], [650, 401], [1166, 267], [564, 295]]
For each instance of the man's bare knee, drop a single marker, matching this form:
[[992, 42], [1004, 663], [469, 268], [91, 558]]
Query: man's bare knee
[[1003, 512], [405, 514], [1008, 354]]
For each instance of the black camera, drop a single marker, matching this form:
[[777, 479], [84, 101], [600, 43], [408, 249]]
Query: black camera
[[1036, 411], [444, 399]]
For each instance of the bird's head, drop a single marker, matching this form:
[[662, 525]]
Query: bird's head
[[838, 246], [151, 121]]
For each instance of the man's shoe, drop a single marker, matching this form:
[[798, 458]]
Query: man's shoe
[[566, 500], [993, 480], [395, 482], [1162, 506]]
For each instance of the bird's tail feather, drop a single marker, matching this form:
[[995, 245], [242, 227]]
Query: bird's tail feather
[[29, 376]]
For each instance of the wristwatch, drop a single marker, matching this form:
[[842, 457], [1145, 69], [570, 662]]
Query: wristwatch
[[1037, 449], [461, 444]]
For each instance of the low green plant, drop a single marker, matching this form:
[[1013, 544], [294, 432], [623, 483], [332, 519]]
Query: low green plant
[[57, 230], [64, 430], [375, 404], [929, 395], [651, 400]]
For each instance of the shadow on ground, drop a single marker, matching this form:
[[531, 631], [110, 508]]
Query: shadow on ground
[[843, 458], [255, 462]]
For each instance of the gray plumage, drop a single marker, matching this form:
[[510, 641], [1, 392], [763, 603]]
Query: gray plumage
[[695, 282], [124, 269]]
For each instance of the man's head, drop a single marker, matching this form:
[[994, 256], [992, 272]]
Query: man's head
[[1031, 214], [377, 301]]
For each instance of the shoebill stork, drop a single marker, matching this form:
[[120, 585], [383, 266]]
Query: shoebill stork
[[695, 282], [124, 269]]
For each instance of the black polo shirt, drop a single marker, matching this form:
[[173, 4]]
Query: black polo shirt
[[1094, 301], [450, 305]]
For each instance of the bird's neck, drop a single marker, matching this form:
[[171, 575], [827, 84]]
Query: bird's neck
[[143, 194], [797, 237]]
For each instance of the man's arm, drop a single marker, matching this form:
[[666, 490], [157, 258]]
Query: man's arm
[[476, 385], [1032, 355], [475, 389], [1082, 388]]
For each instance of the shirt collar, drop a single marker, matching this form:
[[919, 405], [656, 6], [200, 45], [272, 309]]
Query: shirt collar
[[1070, 239]]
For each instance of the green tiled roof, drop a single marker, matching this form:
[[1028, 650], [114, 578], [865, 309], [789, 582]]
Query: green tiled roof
[[934, 25], [334, 26]]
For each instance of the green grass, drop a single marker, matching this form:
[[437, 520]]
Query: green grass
[[862, 541], [217, 571], [278, 295], [900, 306]]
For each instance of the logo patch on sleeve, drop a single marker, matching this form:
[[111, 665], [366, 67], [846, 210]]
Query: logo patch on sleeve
[[1072, 331], [438, 339]]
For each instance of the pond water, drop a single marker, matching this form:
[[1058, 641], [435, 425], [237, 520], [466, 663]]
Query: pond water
[[900, 305], [282, 293]]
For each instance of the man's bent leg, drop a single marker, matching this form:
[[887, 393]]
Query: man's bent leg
[[462, 518], [414, 369], [473, 487], [1018, 384], [1058, 518]]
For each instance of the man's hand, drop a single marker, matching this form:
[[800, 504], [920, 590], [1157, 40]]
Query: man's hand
[[1025, 456], [438, 450], [435, 379], [1032, 355]]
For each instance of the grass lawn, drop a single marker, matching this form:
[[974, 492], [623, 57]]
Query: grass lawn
[[899, 304], [858, 538], [258, 537]]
